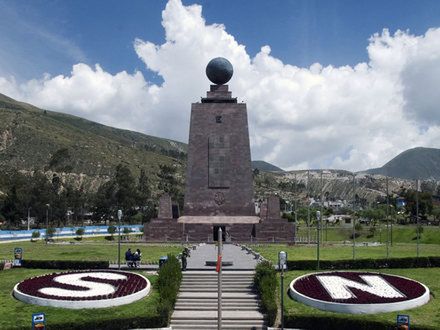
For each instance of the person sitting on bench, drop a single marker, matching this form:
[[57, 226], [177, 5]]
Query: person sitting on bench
[[137, 258], [129, 258]]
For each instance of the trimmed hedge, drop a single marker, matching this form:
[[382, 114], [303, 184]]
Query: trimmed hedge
[[339, 323], [168, 284], [421, 262], [65, 264], [265, 280], [114, 324]]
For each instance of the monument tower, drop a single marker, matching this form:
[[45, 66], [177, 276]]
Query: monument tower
[[219, 172], [219, 182]]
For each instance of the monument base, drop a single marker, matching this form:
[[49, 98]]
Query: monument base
[[256, 230]]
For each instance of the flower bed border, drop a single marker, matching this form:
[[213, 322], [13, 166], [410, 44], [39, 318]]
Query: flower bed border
[[358, 308], [79, 304]]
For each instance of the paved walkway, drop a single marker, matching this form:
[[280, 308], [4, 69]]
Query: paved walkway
[[241, 259]]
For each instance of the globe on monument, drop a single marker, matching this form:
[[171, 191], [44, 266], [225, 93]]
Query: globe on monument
[[219, 70]]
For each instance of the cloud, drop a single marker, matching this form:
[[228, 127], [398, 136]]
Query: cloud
[[350, 117]]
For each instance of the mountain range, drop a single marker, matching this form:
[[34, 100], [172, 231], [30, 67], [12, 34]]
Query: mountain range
[[37, 139], [417, 163]]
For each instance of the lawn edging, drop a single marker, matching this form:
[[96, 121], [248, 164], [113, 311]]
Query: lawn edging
[[65, 264], [324, 322]]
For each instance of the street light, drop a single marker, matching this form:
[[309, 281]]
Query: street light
[[29, 217], [47, 220], [282, 262], [119, 238], [318, 220]]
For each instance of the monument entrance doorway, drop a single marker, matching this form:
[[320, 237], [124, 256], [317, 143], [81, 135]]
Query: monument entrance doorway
[[215, 232]]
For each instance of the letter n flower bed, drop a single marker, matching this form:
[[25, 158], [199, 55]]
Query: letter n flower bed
[[358, 292], [84, 289]]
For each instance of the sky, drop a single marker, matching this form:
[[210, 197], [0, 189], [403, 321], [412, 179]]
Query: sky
[[328, 84]]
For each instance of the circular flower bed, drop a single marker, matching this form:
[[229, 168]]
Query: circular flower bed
[[84, 289], [358, 292]]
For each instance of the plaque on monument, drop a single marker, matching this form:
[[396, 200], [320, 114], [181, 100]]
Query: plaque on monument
[[165, 207]]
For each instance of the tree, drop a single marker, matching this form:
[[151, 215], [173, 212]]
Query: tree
[[169, 184], [125, 192], [10, 208], [143, 187], [424, 203]]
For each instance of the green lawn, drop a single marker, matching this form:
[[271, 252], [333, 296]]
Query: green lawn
[[15, 314], [86, 250], [401, 234], [340, 251], [425, 316]]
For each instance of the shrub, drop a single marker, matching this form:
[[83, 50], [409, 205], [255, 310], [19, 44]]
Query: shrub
[[265, 280], [79, 233], [410, 262], [332, 322], [135, 322], [50, 232], [111, 230], [168, 284], [35, 234], [65, 264], [356, 235]]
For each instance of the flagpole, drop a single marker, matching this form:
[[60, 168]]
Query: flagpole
[[219, 270], [417, 216]]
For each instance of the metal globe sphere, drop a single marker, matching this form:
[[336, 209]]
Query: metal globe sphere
[[219, 70]]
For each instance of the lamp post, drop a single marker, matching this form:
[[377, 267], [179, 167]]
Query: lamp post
[[47, 220], [29, 217], [282, 262], [119, 238], [318, 220]]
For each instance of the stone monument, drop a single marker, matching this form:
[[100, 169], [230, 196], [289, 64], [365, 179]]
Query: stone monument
[[219, 184]]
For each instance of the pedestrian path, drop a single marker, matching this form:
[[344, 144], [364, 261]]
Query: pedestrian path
[[241, 259], [197, 304]]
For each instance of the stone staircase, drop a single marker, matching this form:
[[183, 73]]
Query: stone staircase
[[196, 305]]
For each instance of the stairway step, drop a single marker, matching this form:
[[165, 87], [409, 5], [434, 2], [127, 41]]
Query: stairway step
[[215, 327], [212, 315], [249, 322], [214, 301], [196, 289]]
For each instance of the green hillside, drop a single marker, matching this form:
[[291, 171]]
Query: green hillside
[[416, 163], [32, 138], [265, 166]]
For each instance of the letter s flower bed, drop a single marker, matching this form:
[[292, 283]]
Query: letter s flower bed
[[84, 289]]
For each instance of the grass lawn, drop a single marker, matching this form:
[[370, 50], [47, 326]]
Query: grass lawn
[[96, 249], [340, 251], [427, 316], [401, 234], [15, 314]]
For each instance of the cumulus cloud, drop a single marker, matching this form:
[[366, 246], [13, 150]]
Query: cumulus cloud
[[350, 117]]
